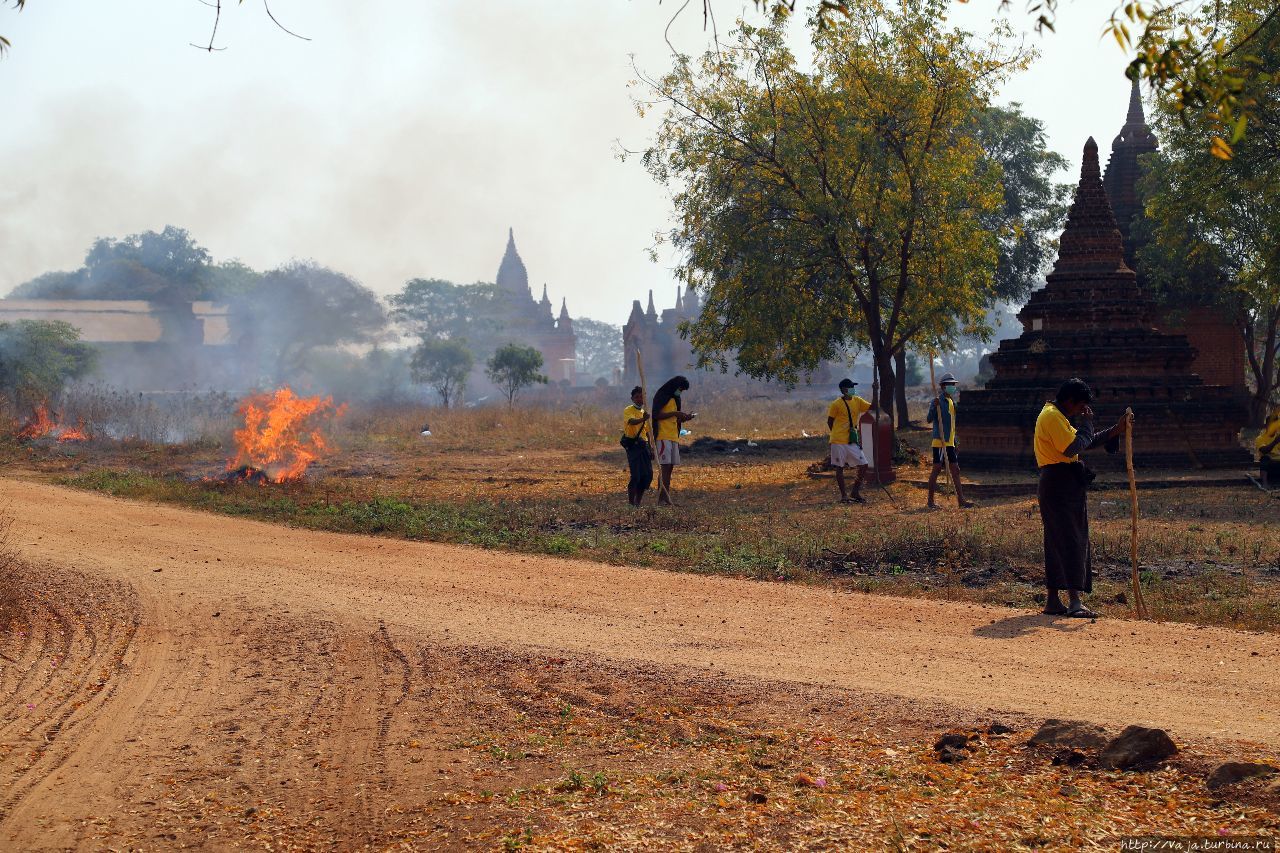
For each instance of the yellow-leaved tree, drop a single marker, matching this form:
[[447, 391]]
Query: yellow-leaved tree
[[843, 205]]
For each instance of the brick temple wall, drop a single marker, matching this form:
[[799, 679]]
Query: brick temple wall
[[1220, 356]]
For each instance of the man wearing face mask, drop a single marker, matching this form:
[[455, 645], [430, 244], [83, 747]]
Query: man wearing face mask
[[845, 450], [942, 414], [1064, 481]]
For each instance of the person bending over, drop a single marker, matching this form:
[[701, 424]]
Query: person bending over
[[1064, 480]]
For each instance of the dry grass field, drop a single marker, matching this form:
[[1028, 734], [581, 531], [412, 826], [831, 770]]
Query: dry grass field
[[552, 480]]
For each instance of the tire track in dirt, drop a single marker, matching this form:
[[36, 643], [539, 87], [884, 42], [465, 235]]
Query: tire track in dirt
[[82, 648]]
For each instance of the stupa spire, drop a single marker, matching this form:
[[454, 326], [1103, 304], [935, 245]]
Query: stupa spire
[[1135, 114], [512, 277], [651, 311], [1091, 241]]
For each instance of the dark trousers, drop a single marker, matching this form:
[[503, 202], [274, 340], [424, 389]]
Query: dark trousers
[[641, 467], [1064, 510]]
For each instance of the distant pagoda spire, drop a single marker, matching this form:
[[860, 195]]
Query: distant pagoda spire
[[637, 312], [692, 305], [679, 299], [513, 278], [565, 323], [651, 312], [1124, 170]]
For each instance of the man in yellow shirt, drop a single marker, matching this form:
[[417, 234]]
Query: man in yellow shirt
[[635, 440], [942, 414], [1064, 507], [1268, 444], [845, 440]]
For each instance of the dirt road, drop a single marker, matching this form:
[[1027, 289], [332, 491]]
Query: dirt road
[[190, 647]]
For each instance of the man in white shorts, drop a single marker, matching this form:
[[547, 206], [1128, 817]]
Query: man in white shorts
[[846, 447]]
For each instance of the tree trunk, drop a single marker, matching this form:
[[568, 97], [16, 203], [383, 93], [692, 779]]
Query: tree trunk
[[1261, 341], [900, 390], [884, 363]]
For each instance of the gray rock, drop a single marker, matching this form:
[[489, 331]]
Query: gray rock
[[999, 729], [951, 755], [1232, 772], [1137, 747], [1070, 733]]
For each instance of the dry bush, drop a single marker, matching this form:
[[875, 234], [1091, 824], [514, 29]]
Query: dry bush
[[182, 417]]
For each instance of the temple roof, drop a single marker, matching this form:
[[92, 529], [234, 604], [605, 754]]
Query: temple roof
[[1091, 241], [513, 278]]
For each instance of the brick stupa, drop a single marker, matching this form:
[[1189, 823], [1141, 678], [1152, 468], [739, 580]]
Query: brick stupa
[[1092, 320]]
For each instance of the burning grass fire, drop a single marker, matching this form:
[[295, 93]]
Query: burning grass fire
[[42, 425], [281, 435]]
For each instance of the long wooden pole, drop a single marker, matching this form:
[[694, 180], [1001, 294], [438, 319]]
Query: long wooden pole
[[946, 467], [1139, 606]]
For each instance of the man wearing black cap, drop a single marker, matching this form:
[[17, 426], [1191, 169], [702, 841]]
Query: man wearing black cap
[[1064, 507], [942, 414], [846, 443]]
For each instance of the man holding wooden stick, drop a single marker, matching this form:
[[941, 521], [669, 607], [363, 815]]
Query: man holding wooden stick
[[1064, 481], [942, 414]]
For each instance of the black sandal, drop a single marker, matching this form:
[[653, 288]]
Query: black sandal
[[1081, 613], [1054, 611]]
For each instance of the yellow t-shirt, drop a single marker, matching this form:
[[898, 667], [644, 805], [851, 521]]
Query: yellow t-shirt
[[951, 440], [631, 413], [1054, 433], [669, 428], [1268, 435], [841, 426]]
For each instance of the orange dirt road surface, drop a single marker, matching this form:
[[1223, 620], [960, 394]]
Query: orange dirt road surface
[[187, 640]]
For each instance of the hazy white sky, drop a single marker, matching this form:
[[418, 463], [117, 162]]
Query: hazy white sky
[[402, 141]]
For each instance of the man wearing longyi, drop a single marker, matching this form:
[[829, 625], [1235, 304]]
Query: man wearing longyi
[[1062, 492]]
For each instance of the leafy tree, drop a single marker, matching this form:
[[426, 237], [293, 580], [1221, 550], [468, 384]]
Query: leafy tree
[[514, 367], [1035, 207], [434, 308], [167, 267], [1189, 50], [819, 211], [300, 307], [444, 365], [1214, 224], [599, 347], [37, 358]]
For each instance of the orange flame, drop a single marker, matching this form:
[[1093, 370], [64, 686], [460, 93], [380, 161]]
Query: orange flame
[[41, 424], [281, 434]]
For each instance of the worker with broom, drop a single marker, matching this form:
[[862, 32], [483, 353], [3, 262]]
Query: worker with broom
[[1062, 493], [635, 440], [942, 414]]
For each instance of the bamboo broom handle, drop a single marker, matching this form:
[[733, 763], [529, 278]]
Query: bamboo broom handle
[[648, 427], [1139, 606]]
